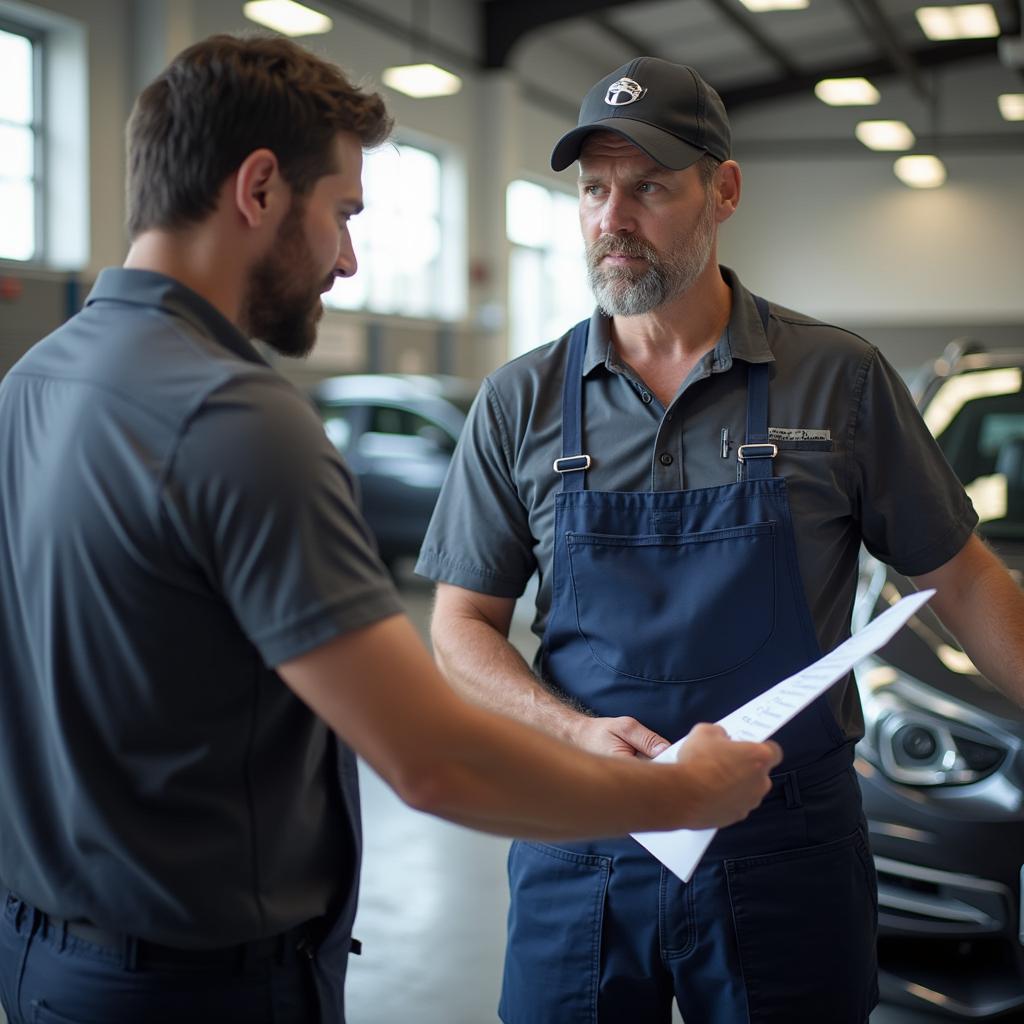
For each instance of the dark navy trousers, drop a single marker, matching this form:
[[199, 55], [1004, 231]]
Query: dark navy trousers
[[601, 933], [50, 977]]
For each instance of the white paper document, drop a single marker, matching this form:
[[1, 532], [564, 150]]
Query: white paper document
[[758, 719]]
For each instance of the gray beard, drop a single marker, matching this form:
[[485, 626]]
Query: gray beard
[[620, 291]]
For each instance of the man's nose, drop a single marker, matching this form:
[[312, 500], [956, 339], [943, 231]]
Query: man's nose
[[346, 264], [619, 214]]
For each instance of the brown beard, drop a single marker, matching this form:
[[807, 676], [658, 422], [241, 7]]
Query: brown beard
[[282, 306]]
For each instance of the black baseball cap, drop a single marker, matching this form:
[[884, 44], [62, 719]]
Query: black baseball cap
[[665, 109]]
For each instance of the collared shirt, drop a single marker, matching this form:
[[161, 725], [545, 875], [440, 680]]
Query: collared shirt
[[858, 461], [173, 524]]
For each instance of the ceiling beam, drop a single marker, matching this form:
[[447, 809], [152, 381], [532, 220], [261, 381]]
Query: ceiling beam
[[414, 34], [878, 28], [848, 148], [769, 89], [935, 55], [1010, 14], [505, 22], [739, 19], [635, 46]]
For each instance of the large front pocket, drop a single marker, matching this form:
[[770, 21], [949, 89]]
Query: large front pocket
[[553, 958], [675, 607], [805, 929]]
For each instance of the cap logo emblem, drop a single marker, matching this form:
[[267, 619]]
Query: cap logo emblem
[[623, 92]]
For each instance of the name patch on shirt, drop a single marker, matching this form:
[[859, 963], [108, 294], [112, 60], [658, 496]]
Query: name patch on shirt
[[798, 434]]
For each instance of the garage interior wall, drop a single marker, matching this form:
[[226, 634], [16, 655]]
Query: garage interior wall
[[832, 234]]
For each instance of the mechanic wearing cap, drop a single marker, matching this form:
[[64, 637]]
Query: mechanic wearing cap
[[691, 473]]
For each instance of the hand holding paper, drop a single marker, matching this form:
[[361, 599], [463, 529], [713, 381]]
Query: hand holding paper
[[758, 719]]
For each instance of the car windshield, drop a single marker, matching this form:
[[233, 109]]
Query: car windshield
[[978, 419]]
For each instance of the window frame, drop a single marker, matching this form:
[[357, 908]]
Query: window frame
[[37, 125], [451, 231], [544, 252]]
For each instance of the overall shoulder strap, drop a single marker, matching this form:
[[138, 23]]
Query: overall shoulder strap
[[757, 453], [573, 464]]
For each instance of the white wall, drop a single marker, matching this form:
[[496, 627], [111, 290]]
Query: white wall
[[846, 240]]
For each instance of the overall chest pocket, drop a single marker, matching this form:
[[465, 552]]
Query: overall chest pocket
[[675, 608]]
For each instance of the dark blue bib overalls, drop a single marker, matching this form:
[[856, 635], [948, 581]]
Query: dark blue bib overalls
[[674, 608]]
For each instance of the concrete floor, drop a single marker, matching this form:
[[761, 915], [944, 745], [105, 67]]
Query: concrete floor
[[433, 903]]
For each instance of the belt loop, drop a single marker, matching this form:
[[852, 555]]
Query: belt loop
[[792, 792], [23, 959], [130, 953], [63, 936]]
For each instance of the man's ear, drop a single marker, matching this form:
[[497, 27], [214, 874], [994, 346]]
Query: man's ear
[[259, 189], [727, 184]]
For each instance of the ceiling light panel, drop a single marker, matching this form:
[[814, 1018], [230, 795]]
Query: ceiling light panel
[[287, 17], [885, 135], [965, 21], [760, 6], [1011, 106], [422, 81], [846, 92], [920, 171]]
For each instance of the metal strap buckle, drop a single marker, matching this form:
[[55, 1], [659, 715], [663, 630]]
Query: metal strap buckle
[[744, 451], [571, 463]]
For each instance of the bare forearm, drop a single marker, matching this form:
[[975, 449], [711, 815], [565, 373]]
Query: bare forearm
[[480, 664], [379, 689], [470, 634], [508, 779], [983, 607]]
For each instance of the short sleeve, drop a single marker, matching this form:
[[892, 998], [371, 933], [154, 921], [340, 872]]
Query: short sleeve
[[913, 510], [259, 498], [479, 535]]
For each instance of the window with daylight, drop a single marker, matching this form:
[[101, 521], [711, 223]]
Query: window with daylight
[[408, 239], [548, 290], [20, 132]]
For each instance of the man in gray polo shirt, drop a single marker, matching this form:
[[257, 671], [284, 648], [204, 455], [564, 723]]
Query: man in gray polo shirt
[[691, 475], [189, 598]]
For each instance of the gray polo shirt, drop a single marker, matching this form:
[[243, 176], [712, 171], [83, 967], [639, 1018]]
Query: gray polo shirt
[[173, 524], [857, 458]]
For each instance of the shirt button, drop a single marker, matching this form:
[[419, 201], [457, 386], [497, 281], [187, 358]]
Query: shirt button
[[665, 459], [645, 397]]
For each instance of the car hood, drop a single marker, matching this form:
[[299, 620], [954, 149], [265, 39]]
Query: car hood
[[927, 651]]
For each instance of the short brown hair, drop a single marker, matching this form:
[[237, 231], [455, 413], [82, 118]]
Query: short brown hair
[[221, 99]]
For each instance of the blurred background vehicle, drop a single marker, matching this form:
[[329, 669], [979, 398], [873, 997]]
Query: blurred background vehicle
[[397, 432], [942, 763]]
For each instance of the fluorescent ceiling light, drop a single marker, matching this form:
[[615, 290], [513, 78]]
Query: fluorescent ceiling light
[[846, 92], [758, 6], [887, 135], [422, 80], [1011, 106], [966, 21], [920, 171], [287, 17]]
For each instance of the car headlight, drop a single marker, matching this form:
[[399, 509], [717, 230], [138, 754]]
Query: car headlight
[[918, 745]]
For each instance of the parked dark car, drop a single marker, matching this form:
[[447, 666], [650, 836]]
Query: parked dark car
[[942, 763], [397, 432]]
